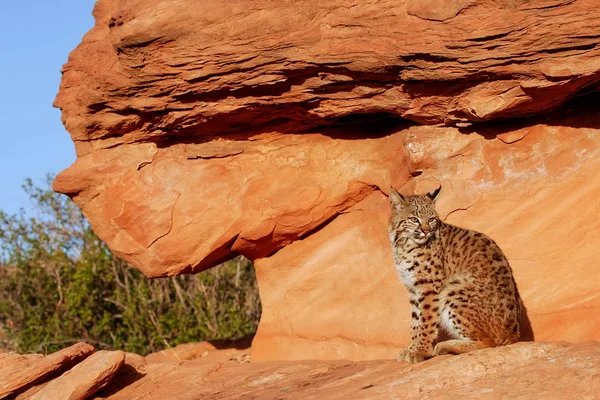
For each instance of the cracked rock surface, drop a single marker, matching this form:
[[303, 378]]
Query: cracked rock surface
[[275, 129]]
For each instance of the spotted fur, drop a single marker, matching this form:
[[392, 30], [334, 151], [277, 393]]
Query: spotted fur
[[458, 280]]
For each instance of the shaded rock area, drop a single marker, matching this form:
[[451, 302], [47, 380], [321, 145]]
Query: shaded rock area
[[275, 129], [524, 370], [335, 294]]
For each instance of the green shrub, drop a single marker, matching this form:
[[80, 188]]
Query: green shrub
[[60, 284]]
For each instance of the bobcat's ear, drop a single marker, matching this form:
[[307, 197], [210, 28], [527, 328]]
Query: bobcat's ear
[[396, 199], [432, 195]]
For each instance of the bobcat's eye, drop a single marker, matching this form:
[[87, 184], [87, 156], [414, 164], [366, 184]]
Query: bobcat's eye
[[432, 220], [414, 219]]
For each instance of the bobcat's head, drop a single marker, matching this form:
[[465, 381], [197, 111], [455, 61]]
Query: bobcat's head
[[413, 217]]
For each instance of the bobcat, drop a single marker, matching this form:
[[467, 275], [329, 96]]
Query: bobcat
[[458, 280]]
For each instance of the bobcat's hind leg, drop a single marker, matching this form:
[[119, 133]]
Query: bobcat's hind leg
[[459, 346], [461, 320]]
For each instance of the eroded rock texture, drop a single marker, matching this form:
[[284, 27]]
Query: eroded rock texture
[[274, 130]]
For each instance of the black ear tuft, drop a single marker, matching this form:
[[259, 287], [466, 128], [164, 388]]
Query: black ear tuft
[[432, 195], [395, 197]]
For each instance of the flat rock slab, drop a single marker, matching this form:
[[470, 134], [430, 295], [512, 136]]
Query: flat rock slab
[[18, 372], [523, 370], [84, 379]]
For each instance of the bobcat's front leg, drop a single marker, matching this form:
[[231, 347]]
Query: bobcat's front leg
[[424, 323]]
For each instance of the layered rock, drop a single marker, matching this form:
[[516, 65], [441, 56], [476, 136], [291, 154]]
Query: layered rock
[[274, 130], [76, 373], [84, 379], [19, 372]]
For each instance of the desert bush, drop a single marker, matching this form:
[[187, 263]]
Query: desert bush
[[60, 284]]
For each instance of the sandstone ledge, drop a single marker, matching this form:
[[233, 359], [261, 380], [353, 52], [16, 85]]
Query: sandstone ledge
[[522, 370]]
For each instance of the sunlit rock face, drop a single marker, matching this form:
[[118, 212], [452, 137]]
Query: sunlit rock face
[[275, 129]]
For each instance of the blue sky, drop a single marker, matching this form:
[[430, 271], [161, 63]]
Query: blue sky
[[36, 38]]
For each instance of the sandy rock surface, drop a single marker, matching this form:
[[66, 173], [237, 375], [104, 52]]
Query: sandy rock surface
[[523, 370]]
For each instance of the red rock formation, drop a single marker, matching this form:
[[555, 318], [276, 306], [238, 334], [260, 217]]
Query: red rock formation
[[274, 129]]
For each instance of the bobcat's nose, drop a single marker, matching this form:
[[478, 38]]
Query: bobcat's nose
[[425, 230]]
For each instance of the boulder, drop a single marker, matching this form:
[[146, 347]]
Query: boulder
[[275, 129]]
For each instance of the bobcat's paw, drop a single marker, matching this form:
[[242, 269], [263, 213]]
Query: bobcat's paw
[[412, 356], [440, 349]]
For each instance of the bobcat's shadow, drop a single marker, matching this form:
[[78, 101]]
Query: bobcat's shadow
[[526, 330]]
